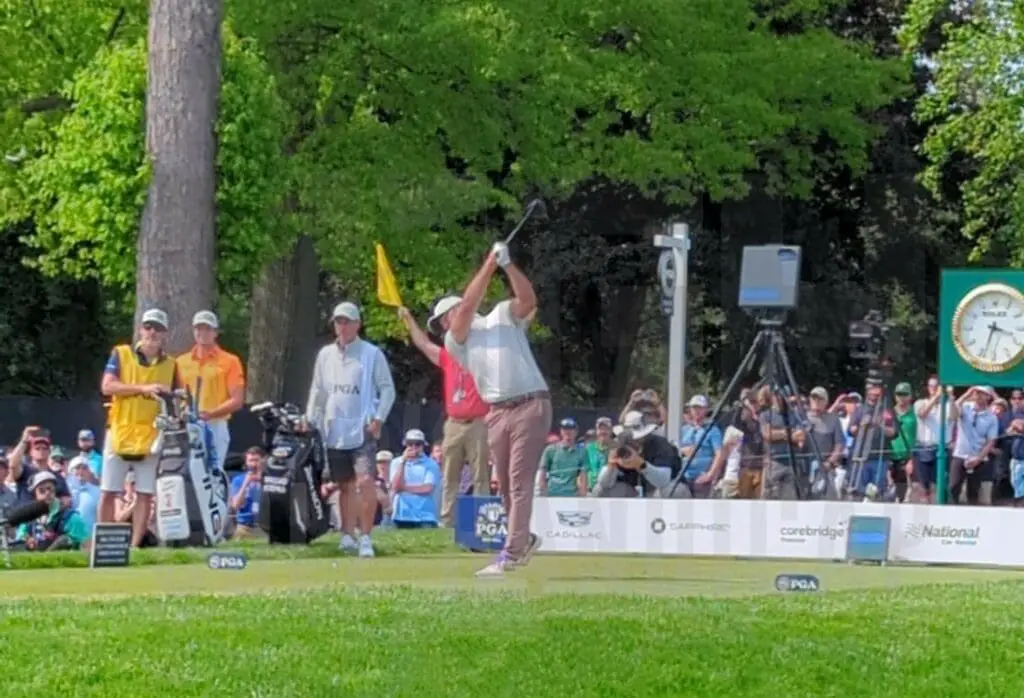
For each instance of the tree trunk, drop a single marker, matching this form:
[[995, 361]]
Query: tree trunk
[[177, 240], [282, 327]]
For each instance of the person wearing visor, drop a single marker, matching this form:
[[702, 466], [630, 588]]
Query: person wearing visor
[[216, 380], [415, 484], [563, 465], [135, 377]]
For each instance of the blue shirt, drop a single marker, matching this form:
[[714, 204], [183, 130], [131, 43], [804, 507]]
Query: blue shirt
[[95, 460], [246, 514], [417, 508], [85, 497], [689, 435], [975, 430]]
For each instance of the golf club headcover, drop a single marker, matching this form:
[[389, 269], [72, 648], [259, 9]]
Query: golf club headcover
[[501, 254]]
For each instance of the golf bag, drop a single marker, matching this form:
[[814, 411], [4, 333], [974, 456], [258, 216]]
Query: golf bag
[[292, 509], [191, 493]]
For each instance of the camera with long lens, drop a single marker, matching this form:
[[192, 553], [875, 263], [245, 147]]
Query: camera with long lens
[[871, 341], [625, 443]]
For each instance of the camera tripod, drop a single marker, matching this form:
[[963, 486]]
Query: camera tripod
[[871, 444], [769, 349]]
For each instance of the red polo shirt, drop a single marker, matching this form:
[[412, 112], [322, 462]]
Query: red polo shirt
[[461, 400]]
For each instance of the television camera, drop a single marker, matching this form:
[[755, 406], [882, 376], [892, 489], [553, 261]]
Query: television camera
[[872, 341]]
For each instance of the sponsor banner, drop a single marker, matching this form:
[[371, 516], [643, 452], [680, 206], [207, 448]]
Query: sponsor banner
[[771, 529], [480, 523]]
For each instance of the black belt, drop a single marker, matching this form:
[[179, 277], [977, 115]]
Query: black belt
[[521, 400]]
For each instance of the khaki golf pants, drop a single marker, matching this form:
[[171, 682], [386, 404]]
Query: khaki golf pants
[[464, 442]]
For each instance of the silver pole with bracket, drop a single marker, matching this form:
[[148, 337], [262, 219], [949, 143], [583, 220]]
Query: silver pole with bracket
[[673, 270]]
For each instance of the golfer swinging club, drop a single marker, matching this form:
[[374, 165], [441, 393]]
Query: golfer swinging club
[[495, 351]]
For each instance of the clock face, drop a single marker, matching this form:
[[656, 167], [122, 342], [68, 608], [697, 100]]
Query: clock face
[[988, 327]]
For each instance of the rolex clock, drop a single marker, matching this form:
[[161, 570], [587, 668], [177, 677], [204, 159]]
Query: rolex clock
[[988, 327]]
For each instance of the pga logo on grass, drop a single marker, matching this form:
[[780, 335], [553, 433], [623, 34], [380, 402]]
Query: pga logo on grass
[[797, 582], [227, 561]]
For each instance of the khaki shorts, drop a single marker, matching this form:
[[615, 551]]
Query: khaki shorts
[[115, 469]]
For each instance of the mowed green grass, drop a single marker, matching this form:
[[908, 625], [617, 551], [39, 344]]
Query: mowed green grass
[[565, 626]]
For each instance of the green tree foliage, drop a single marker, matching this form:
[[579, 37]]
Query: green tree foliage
[[85, 184], [415, 117], [975, 115]]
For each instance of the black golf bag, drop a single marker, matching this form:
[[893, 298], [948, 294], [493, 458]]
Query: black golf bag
[[291, 508]]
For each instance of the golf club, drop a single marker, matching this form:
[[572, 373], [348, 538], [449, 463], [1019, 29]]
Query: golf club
[[534, 209]]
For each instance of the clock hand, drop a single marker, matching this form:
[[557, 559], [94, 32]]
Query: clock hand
[[991, 331]]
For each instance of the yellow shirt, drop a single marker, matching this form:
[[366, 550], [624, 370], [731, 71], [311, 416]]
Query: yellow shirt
[[132, 419], [212, 378]]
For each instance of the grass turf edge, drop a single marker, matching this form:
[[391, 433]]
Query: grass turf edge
[[387, 543]]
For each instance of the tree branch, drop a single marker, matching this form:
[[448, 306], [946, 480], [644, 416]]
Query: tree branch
[[56, 102]]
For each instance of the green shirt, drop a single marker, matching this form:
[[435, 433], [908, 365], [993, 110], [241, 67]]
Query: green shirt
[[906, 434], [563, 465], [597, 458]]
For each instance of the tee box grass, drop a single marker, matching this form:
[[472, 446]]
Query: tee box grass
[[422, 626]]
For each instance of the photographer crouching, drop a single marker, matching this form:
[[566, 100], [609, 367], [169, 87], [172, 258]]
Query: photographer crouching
[[640, 461], [61, 529]]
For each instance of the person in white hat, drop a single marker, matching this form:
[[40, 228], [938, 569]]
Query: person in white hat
[[132, 378], [465, 428], [649, 463], [415, 481], [216, 380], [350, 398], [977, 431], [496, 351], [700, 440]]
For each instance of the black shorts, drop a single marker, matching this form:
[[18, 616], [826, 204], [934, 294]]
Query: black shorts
[[898, 471], [344, 466]]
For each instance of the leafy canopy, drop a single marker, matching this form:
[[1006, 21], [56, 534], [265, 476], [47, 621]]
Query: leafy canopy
[[975, 114], [421, 125]]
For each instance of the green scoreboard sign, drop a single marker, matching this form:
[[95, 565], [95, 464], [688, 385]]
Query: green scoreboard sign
[[981, 327]]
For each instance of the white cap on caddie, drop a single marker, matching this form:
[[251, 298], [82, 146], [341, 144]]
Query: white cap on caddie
[[155, 316]]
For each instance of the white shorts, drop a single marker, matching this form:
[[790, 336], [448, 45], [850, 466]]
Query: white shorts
[[221, 441], [115, 469]]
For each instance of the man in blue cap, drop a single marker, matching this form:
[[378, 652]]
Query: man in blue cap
[[563, 465]]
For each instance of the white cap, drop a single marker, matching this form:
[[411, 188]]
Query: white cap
[[415, 435], [385, 456], [156, 316], [41, 477], [347, 310], [635, 422], [988, 389], [698, 401], [78, 461], [206, 317], [440, 308]]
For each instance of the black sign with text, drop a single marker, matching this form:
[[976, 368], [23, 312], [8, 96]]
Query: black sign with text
[[111, 545]]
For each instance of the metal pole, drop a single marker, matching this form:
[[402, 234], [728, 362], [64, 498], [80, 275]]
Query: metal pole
[[677, 331], [942, 457]]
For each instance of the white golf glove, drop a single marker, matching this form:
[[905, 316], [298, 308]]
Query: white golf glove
[[501, 254]]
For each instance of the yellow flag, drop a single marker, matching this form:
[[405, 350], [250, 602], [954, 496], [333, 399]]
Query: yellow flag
[[387, 287]]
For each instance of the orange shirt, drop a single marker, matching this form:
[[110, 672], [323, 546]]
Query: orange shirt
[[220, 371]]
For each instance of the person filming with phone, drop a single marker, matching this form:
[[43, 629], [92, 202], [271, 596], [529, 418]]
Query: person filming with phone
[[640, 461]]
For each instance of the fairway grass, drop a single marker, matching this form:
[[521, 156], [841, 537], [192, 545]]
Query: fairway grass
[[397, 641]]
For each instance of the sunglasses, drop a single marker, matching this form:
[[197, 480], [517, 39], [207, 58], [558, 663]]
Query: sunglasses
[[41, 445], [414, 443], [153, 327]]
